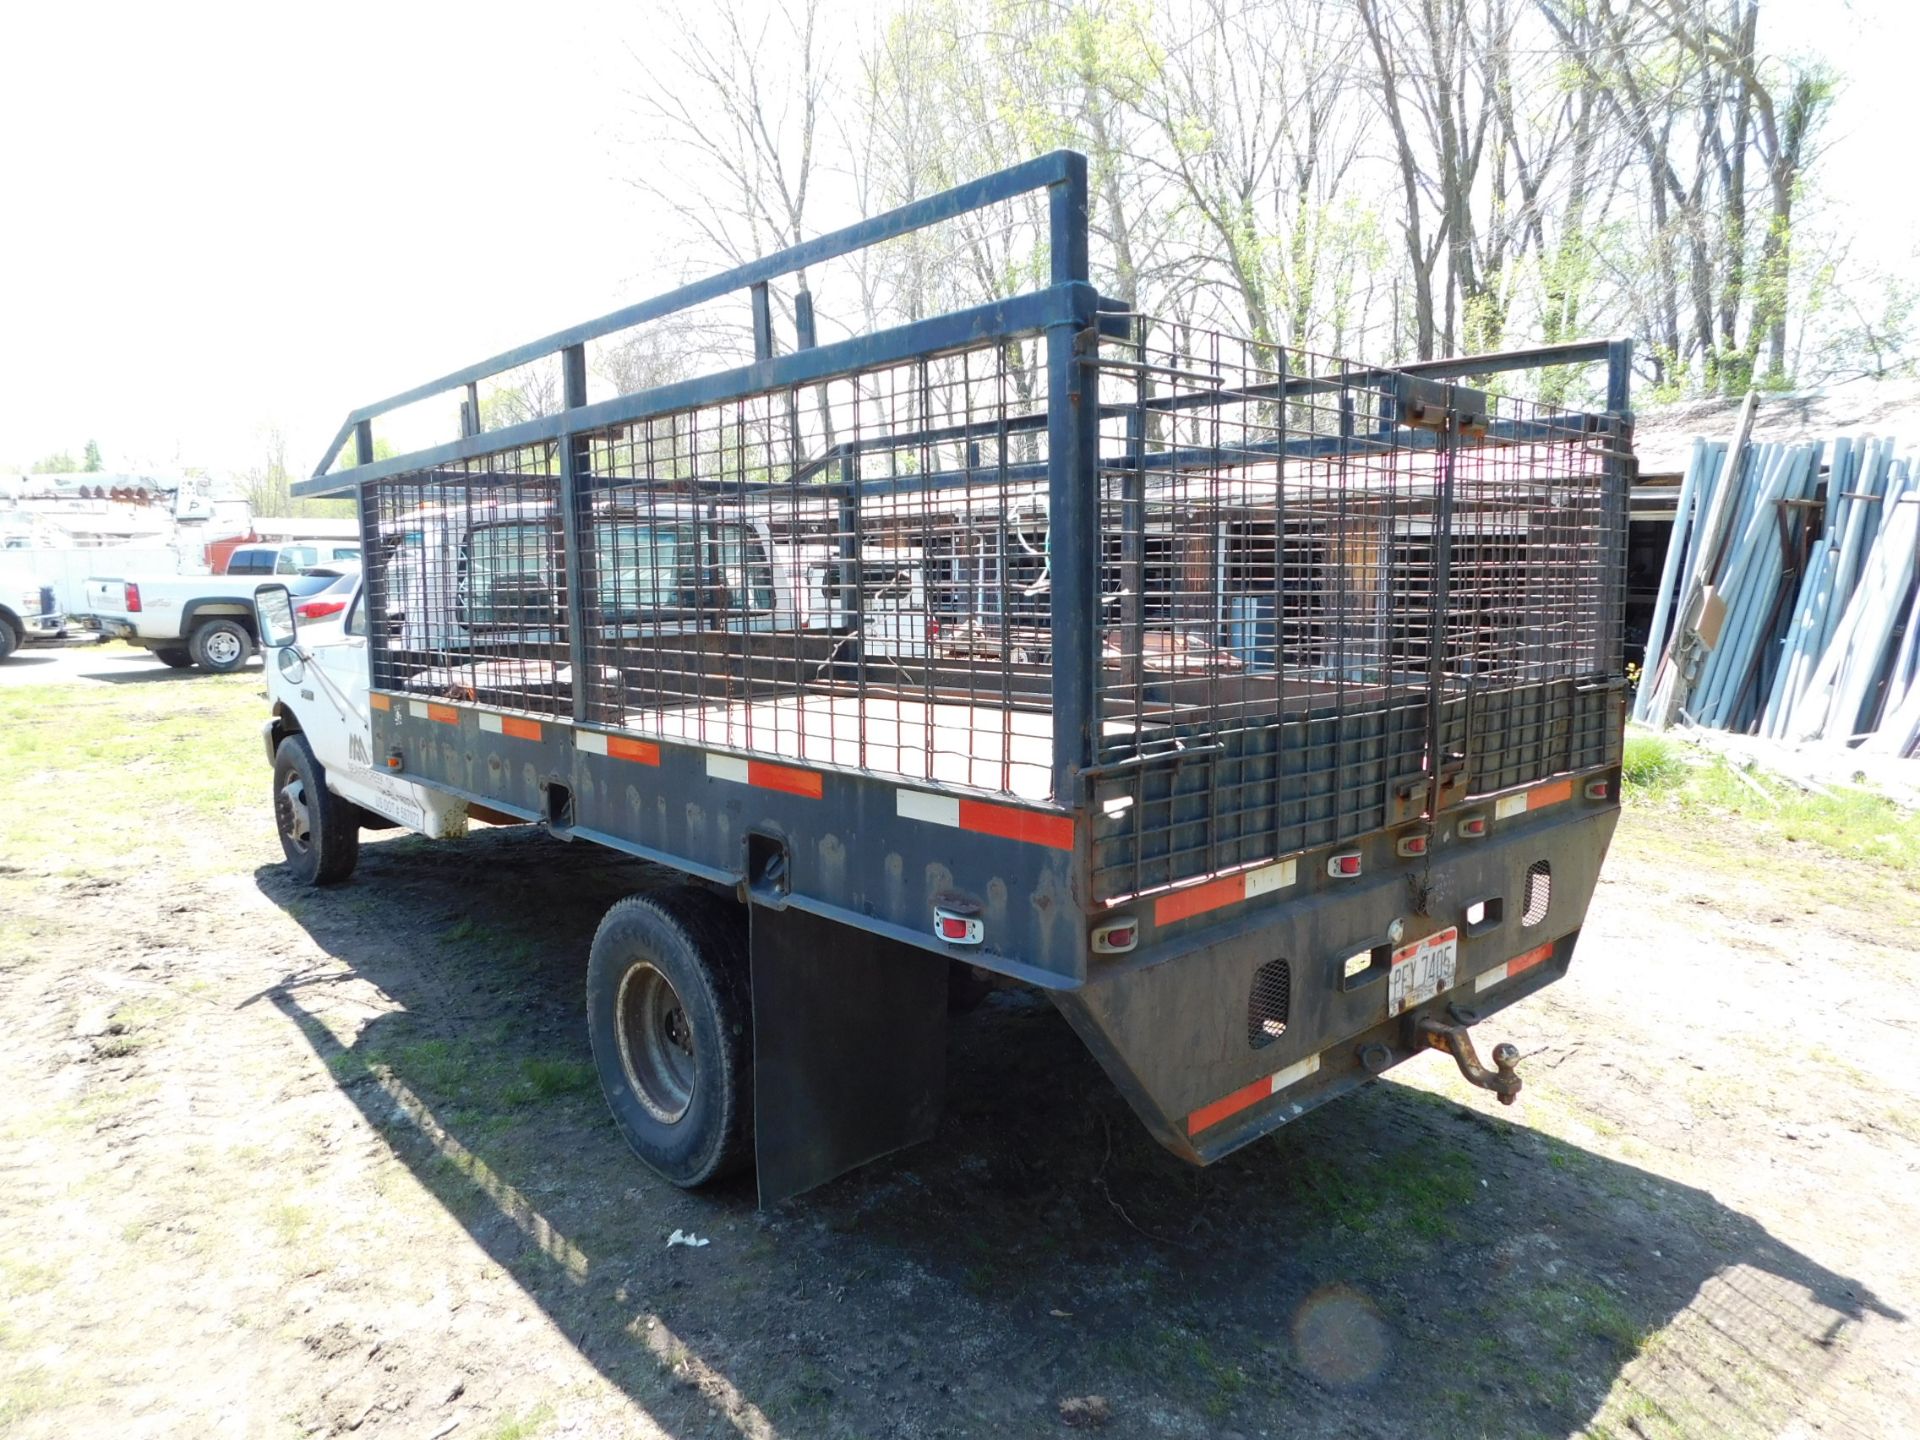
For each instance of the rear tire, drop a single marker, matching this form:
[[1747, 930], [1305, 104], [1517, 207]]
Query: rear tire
[[179, 657], [319, 831], [669, 1015], [10, 638], [220, 646]]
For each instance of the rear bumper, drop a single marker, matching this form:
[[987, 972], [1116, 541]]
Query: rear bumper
[[1175, 1034], [44, 627]]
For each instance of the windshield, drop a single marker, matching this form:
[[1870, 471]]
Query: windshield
[[744, 569], [509, 575], [645, 566]]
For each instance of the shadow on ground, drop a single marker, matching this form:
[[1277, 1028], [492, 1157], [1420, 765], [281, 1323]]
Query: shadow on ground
[[1391, 1265], [154, 672]]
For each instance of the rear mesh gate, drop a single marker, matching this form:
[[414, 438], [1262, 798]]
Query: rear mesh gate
[[1334, 595]]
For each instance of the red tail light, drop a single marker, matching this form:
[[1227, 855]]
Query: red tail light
[[133, 598], [1343, 864], [319, 609], [933, 629]]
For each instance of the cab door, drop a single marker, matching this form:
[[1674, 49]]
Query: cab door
[[340, 655]]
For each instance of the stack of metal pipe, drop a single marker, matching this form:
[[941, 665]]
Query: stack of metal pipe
[[1788, 605]]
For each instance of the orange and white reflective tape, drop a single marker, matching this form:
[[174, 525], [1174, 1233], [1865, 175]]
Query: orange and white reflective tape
[[742, 771], [433, 710], [1208, 1116], [619, 747], [380, 702], [1008, 822], [519, 729], [1487, 979], [1538, 798], [1228, 890]]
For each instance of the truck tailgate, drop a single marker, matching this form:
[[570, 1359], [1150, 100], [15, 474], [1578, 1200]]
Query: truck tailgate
[[106, 596]]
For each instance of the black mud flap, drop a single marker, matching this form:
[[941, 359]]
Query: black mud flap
[[849, 1048]]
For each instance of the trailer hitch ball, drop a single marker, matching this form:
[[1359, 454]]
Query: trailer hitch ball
[[1503, 1079]]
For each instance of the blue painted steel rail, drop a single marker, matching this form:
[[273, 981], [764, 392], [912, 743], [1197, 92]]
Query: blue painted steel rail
[[1063, 170]]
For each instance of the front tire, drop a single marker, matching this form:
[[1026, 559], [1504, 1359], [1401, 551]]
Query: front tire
[[319, 831], [179, 657], [669, 1017], [9, 638], [221, 646]]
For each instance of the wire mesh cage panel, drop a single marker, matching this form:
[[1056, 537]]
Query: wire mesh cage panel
[[1328, 593], [1316, 599], [850, 573], [846, 574], [466, 582]]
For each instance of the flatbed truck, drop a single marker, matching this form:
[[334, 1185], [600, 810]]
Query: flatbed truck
[[1283, 744]]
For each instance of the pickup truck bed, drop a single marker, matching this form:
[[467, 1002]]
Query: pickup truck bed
[[201, 620]]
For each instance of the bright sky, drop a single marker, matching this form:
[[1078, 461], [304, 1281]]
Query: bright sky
[[220, 218]]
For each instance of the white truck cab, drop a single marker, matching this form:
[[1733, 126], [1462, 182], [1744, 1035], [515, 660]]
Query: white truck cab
[[328, 784], [455, 583]]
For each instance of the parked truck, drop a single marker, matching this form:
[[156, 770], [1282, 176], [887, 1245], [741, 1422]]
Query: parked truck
[[1283, 745], [188, 620], [30, 609]]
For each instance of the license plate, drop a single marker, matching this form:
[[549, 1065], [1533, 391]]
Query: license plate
[[1422, 970]]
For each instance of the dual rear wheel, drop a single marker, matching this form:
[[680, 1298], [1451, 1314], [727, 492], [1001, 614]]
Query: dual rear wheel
[[670, 1019]]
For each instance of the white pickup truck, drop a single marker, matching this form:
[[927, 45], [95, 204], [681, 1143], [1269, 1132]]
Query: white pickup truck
[[204, 620], [29, 609]]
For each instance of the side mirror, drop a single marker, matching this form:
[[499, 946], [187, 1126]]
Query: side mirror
[[273, 615]]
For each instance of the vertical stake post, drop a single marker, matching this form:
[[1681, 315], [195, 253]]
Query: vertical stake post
[[1073, 446], [574, 532]]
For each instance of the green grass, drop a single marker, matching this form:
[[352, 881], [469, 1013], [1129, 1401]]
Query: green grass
[[522, 1426], [472, 1074], [1403, 1203], [1651, 766], [97, 774], [1848, 821]]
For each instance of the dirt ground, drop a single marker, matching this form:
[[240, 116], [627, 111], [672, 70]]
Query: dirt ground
[[284, 1163]]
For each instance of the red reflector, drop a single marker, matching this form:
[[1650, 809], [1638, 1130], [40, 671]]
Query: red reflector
[[1599, 789], [133, 598], [1116, 937], [1411, 845], [1120, 937], [957, 929], [1472, 826], [1345, 865]]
